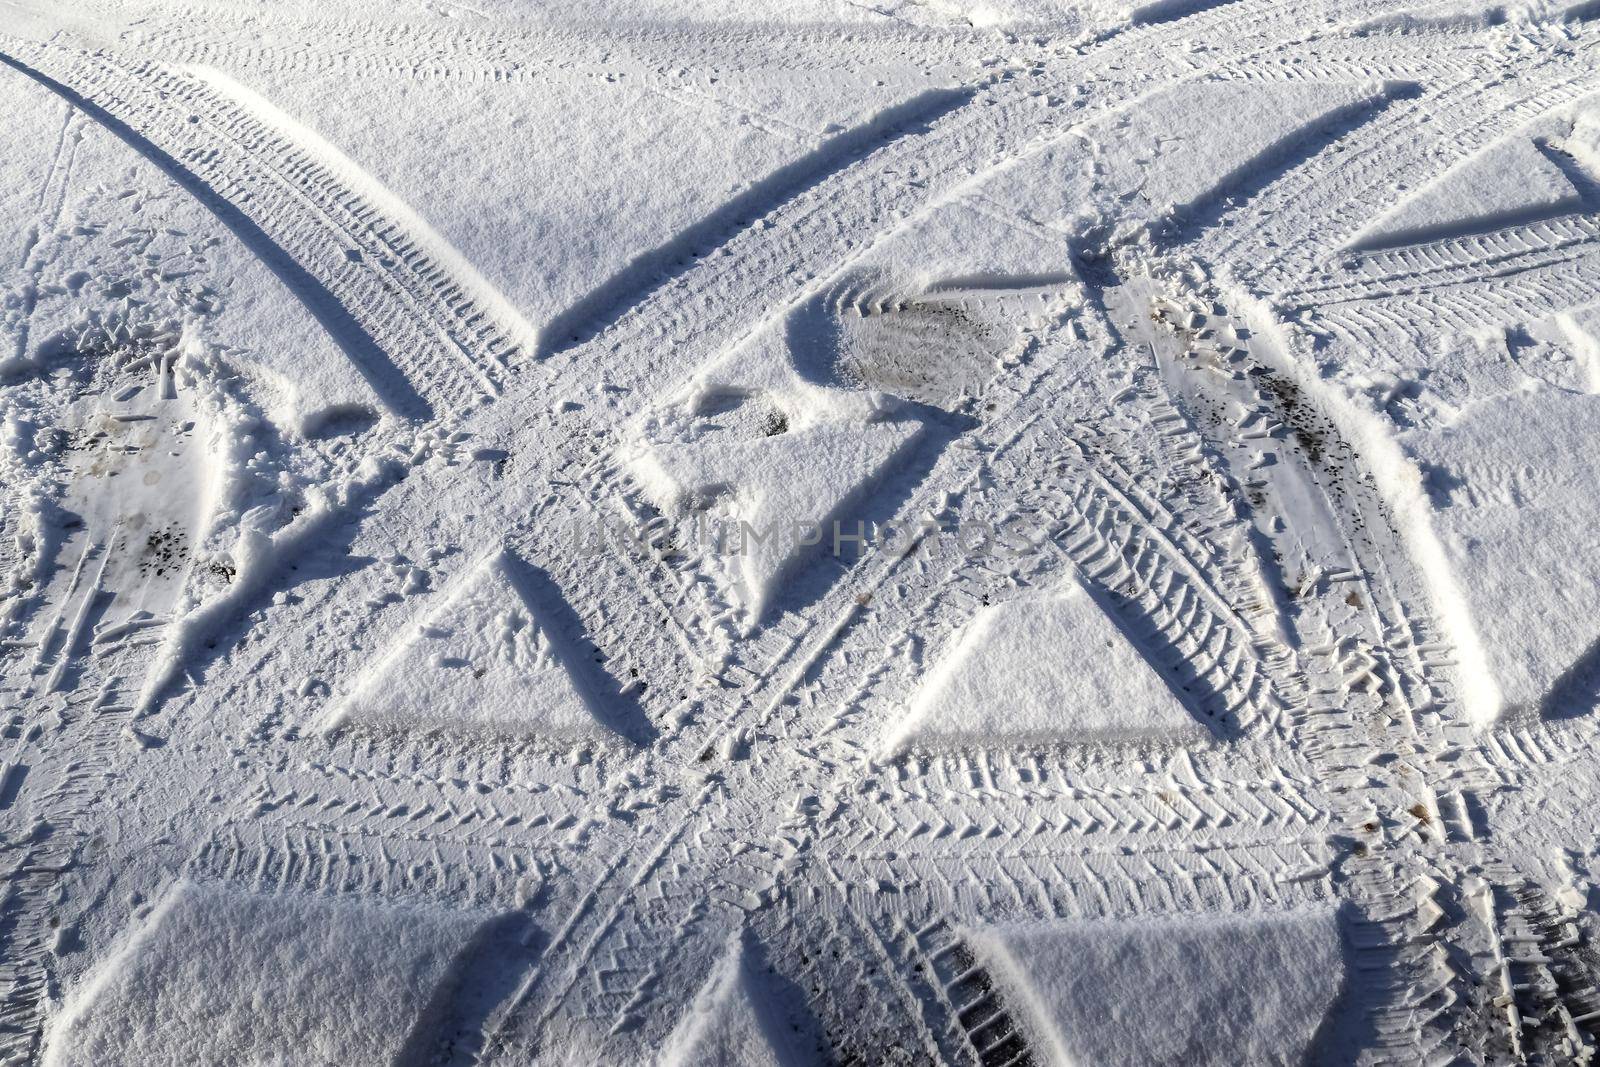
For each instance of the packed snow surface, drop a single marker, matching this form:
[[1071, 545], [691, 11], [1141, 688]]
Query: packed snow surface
[[935, 531]]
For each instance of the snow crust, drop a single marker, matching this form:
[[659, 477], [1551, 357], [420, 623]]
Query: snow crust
[[502, 313], [774, 267], [789, 490], [770, 455], [585, 199], [788, 432]]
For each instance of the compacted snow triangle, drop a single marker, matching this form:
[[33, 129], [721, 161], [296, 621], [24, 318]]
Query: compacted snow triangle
[[1042, 668], [479, 661], [730, 1023], [786, 492], [1212, 991]]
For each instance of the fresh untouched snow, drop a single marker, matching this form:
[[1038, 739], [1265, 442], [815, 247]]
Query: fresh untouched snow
[[963, 532]]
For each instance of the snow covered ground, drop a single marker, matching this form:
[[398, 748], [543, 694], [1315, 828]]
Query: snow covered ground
[[925, 531]]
